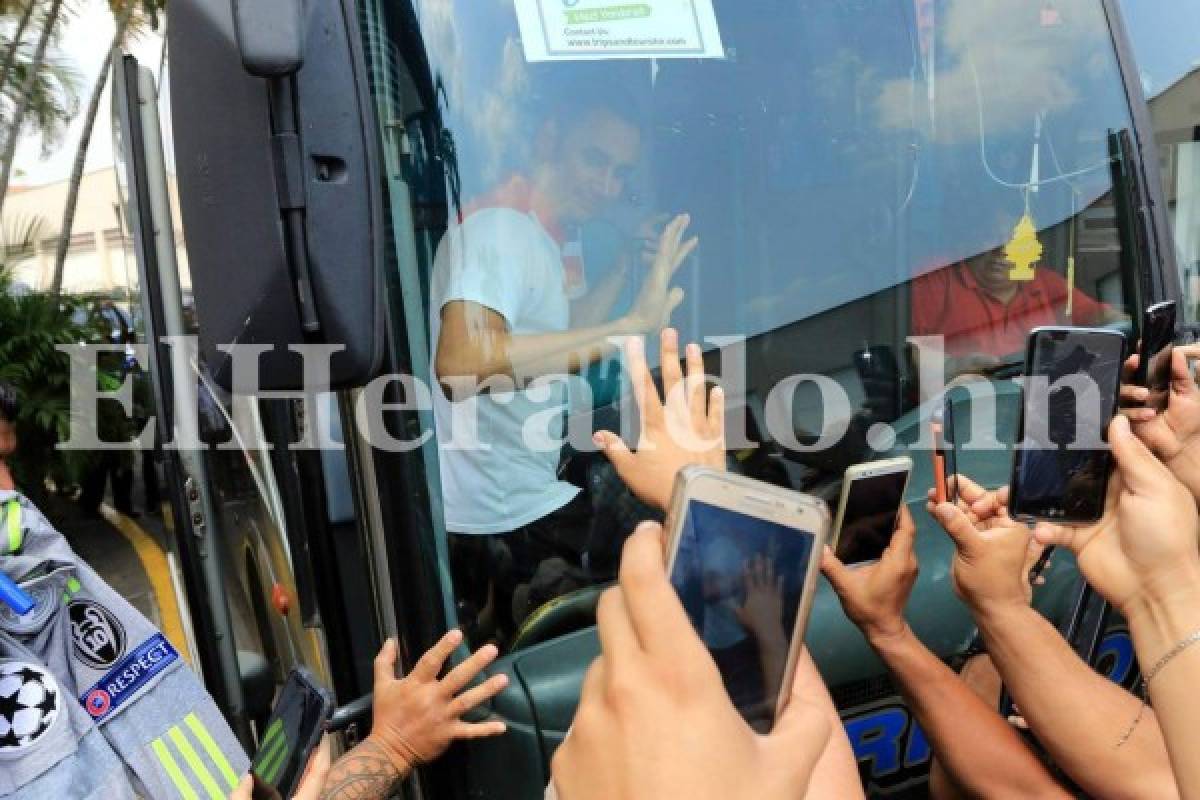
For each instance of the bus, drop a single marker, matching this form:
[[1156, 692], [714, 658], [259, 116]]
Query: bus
[[847, 167]]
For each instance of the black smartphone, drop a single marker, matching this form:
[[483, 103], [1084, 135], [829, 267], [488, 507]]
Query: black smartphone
[[1061, 462], [1158, 344], [949, 449], [870, 503], [292, 733]]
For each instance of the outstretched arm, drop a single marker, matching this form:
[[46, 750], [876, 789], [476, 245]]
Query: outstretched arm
[[836, 773], [1077, 715], [977, 748], [415, 719], [476, 343], [1142, 558]]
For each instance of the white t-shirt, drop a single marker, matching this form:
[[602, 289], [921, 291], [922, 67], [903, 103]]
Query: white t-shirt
[[505, 260]]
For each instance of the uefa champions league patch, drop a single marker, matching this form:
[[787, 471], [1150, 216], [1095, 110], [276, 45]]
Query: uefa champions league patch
[[129, 677], [29, 705]]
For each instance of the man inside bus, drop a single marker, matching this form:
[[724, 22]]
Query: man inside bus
[[985, 311], [509, 306]]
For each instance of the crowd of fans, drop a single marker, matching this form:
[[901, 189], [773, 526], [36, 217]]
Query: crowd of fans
[[655, 721]]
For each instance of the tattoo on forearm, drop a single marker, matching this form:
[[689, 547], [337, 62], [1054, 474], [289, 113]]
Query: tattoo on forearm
[[364, 773]]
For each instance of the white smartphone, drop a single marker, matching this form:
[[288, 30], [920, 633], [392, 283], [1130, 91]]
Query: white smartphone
[[743, 556], [872, 494]]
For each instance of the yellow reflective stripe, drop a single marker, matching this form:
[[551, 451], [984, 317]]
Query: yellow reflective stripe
[[14, 526], [275, 757], [173, 771], [198, 769], [214, 753], [275, 730]]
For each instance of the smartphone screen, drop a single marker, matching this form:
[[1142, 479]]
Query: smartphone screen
[[869, 518], [292, 731], [1061, 464], [1158, 344], [741, 580]]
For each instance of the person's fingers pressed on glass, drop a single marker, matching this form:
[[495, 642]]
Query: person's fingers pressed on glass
[[685, 426], [418, 716]]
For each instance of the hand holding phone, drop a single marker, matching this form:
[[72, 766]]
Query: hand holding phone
[[1061, 463], [874, 595], [743, 557], [872, 496], [1154, 355], [655, 717], [293, 731], [312, 781]]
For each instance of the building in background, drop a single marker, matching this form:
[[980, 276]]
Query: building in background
[[100, 258]]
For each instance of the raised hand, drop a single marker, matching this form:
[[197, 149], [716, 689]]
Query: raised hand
[[982, 506], [417, 717], [874, 595], [1173, 435], [655, 720], [687, 429], [762, 611], [1146, 543], [656, 300], [992, 558]]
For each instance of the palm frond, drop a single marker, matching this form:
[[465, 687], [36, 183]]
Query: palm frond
[[18, 235]]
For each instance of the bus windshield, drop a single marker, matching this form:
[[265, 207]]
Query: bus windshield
[[854, 174]]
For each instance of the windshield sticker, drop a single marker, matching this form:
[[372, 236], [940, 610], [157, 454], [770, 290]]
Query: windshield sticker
[[597, 30]]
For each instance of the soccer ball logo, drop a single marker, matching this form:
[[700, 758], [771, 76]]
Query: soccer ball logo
[[28, 704]]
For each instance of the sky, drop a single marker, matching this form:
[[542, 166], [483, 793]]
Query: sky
[[1165, 40], [85, 40], [1163, 31]]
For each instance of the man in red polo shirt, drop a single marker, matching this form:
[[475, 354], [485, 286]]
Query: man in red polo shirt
[[986, 316]]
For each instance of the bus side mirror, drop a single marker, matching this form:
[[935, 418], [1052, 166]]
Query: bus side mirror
[[280, 186], [270, 36]]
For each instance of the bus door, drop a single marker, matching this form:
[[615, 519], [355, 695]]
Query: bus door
[[266, 536]]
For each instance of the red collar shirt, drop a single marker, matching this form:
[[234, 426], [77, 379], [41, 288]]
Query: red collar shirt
[[951, 303]]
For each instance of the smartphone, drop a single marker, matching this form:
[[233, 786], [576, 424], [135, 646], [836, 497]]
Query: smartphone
[[744, 556], [1061, 462], [879, 374], [949, 449], [1158, 344], [293, 731], [870, 503]]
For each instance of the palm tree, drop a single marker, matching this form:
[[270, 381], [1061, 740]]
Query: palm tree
[[32, 324], [10, 54], [52, 104], [24, 97], [132, 17]]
